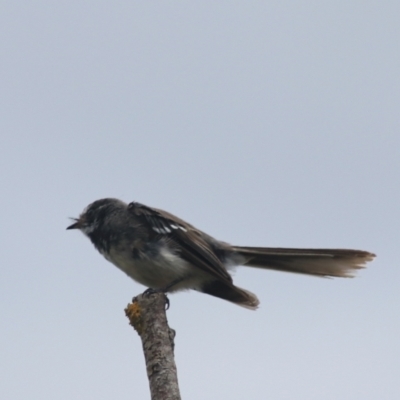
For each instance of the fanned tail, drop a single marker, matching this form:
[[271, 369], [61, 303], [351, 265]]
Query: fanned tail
[[319, 262]]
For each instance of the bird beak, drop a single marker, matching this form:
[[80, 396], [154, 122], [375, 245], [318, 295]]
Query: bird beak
[[75, 225]]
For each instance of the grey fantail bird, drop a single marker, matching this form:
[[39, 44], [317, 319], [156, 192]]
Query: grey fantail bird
[[167, 254]]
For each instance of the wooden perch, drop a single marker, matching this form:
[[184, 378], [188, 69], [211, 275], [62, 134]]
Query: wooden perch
[[147, 315]]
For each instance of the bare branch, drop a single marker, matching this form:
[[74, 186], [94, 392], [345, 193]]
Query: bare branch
[[147, 315]]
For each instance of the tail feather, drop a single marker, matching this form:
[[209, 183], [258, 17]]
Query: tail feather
[[319, 262], [228, 291]]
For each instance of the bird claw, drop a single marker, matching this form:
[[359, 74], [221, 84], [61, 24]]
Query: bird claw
[[150, 291], [167, 303]]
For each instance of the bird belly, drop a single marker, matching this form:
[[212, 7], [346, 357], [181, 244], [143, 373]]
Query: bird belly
[[158, 271]]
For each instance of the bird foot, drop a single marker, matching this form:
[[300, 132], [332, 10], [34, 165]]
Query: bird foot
[[150, 291]]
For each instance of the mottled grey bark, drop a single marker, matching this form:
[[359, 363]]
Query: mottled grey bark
[[147, 315]]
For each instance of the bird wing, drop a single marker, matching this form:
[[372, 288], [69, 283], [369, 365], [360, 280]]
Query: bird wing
[[189, 241]]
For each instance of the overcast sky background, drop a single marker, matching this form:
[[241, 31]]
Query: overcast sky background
[[265, 123]]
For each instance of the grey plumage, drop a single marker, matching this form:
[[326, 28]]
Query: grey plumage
[[163, 252]]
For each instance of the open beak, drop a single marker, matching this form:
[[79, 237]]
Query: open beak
[[75, 225]]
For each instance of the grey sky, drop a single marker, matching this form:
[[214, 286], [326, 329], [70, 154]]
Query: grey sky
[[261, 122]]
